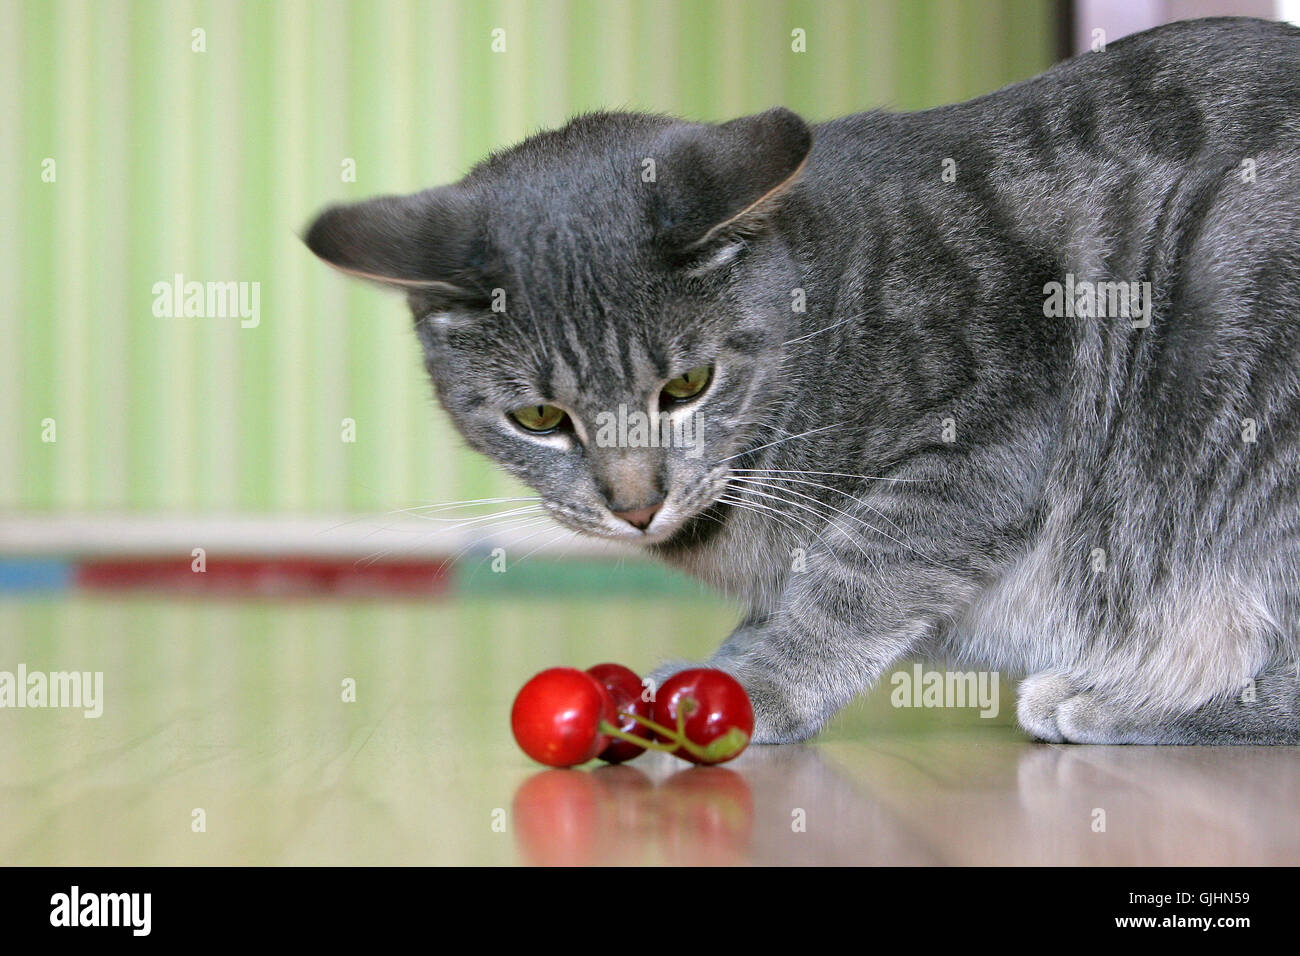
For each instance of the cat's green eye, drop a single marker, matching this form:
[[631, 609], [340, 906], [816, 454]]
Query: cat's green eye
[[538, 418], [687, 386]]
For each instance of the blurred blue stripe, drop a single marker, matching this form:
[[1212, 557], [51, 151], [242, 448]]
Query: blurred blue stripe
[[35, 575]]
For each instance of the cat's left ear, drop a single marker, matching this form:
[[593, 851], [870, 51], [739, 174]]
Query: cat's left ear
[[721, 183]]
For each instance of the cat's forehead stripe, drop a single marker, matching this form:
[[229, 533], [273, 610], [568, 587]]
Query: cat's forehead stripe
[[611, 344], [569, 344], [627, 357], [546, 377]]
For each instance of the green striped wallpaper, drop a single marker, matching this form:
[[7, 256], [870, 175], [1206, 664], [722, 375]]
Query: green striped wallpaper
[[166, 159]]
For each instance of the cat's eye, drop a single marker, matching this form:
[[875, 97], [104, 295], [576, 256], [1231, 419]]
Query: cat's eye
[[538, 418], [685, 387]]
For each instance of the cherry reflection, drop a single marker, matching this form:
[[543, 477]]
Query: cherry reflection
[[616, 815]]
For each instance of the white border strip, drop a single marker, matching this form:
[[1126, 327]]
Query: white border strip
[[1119, 18], [317, 536]]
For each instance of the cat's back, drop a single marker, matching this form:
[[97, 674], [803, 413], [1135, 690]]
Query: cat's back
[[1174, 94]]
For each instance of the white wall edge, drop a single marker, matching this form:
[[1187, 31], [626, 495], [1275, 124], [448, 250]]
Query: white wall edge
[[315, 536]]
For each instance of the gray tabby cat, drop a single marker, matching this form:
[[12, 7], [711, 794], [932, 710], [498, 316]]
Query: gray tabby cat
[[1013, 383]]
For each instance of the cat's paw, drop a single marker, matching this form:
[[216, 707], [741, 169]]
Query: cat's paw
[[1051, 707], [777, 718], [1037, 702], [1092, 718], [775, 721]]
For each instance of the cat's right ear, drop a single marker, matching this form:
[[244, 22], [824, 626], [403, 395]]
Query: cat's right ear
[[422, 242], [723, 182]]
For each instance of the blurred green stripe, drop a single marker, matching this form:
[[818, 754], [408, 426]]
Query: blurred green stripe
[[290, 383], [33, 327], [108, 265], [147, 401], [15, 164], [259, 463], [917, 42]]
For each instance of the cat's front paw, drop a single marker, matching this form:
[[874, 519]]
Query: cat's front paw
[[1051, 707], [775, 721], [777, 717], [1037, 699]]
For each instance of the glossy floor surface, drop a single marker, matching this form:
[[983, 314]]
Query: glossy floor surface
[[232, 715]]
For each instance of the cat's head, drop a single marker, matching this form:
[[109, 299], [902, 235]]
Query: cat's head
[[602, 307]]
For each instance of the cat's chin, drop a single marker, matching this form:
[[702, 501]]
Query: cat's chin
[[648, 537], [692, 531], [611, 531], [656, 536]]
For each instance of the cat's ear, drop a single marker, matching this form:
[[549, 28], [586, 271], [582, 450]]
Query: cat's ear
[[422, 242], [721, 183]]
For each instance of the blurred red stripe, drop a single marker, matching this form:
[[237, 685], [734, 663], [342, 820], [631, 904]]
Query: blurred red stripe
[[265, 577]]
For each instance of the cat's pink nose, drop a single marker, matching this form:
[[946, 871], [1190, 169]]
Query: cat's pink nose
[[641, 517]]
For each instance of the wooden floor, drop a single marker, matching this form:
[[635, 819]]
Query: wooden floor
[[236, 711], [926, 799]]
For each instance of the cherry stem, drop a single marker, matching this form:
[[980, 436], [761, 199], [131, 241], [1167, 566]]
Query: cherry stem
[[728, 745], [609, 730], [647, 722]]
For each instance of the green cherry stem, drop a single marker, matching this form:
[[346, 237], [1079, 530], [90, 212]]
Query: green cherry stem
[[609, 730], [729, 744]]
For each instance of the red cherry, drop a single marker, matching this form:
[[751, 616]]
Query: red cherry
[[556, 717], [616, 675], [715, 707], [624, 688]]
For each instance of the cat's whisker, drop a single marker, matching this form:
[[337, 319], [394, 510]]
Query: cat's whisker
[[549, 541], [423, 537], [775, 428], [780, 441], [870, 527], [478, 542], [761, 509], [473, 518], [462, 521], [417, 512], [521, 525], [714, 518], [772, 483], [822, 516], [780, 517], [469, 502], [823, 504], [850, 517], [569, 542], [404, 511], [818, 332], [740, 491], [830, 474]]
